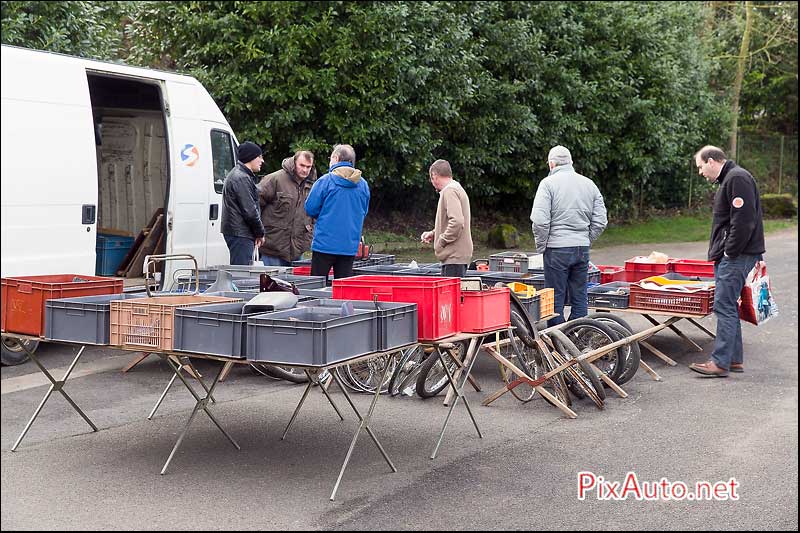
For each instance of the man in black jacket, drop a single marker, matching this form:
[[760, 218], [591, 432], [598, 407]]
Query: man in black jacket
[[736, 244], [241, 216]]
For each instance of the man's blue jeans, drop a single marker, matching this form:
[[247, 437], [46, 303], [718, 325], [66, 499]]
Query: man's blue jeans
[[729, 276], [272, 261], [241, 249], [567, 268]]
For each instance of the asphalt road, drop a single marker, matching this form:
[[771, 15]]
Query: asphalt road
[[523, 473]]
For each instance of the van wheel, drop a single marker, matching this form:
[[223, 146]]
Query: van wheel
[[13, 354]]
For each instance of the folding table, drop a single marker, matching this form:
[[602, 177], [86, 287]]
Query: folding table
[[649, 315], [55, 385]]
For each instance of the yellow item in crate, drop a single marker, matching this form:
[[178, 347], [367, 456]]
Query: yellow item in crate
[[688, 283], [526, 291]]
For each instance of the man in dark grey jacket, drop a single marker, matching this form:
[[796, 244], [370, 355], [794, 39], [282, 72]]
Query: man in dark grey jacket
[[568, 215], [241, 216], [283, 195]]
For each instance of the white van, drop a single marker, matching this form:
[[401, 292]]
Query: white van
[[89, 144]]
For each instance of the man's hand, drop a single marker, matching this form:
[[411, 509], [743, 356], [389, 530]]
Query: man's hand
[[259, 242], [426, 237]]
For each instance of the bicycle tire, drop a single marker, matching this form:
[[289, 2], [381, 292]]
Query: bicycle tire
[[288, 373], [407, 368], [635, 353], [432, 378], [365, 374], [528, 360], [344, 378], [588, 334], [556, 383], [587, 377]]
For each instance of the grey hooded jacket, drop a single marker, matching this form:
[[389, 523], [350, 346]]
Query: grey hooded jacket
[[568, 210]]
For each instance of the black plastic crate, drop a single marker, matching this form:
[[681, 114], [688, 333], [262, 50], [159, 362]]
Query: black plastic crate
[[396, 323], [614, 295], [536, 280], [311, 336], [531, 304]]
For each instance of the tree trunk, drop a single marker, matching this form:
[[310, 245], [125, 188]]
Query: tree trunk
[[744, 51]]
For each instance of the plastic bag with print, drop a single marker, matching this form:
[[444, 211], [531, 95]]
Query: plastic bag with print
[[756, 304]]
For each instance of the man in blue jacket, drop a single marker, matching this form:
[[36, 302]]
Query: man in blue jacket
[[339, 201]]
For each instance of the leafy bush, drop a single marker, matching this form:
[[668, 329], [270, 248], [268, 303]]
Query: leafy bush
[[778, 206]]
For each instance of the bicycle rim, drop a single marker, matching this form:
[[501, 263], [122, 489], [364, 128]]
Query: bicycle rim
[[407, 369]]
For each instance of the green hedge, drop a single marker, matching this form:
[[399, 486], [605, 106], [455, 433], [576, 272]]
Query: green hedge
[[778, 206]]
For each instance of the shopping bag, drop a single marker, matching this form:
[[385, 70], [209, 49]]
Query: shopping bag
[[756, 303], [255, 261]]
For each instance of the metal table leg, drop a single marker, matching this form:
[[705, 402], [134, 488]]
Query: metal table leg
[[195, 374], [459, 390], [202, 403], [364, 425], [56, 385], [313, 379]]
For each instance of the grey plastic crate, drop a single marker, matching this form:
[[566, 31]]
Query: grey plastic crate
[[396, 323], [324, 292], [434, 270], [303, 282], [383, 270], [311, 336], [215, 329], [512, 261], [84, 319], [614, 295]]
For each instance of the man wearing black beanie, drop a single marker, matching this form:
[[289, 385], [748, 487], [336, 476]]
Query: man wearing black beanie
[[241, 216]]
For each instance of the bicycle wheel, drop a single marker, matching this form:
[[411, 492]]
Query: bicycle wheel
[[589, 334], [432, 378], [289, 373], [526, 357], [584, 376], [634, 352], [557, 384], [405, 373], [366, 375]]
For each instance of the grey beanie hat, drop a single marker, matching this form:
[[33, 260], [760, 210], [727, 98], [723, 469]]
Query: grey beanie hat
[[248, 151], [560, 156]]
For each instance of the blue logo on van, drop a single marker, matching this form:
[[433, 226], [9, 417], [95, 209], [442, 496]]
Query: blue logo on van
[[189, 155]]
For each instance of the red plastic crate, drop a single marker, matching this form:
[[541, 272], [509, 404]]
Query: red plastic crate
[[691, 267], [487, 310], [609, 273], [636, 270], [438, 299], [306, 271], [23, 297], [698, 303]]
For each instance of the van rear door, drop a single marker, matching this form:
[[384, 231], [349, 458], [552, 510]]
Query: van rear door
[[48, 166]]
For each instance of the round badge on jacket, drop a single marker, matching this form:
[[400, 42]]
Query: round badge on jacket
[[737, 202]]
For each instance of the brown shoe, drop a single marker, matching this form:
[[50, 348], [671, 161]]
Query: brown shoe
[[737, 367], [709, 368]]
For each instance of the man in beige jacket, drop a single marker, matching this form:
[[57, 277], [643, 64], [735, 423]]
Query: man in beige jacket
[[451, 236]]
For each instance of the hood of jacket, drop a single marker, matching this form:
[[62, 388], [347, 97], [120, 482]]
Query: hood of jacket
[[288, 167], [345, 174]]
